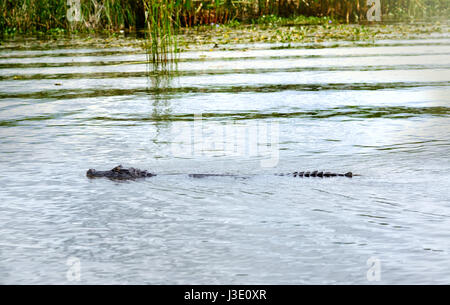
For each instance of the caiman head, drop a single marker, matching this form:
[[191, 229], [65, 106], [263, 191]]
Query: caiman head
[[119, 172]]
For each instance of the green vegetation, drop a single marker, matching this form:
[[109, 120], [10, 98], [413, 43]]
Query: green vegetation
[[226, 21], [162, 19], [25, 16], [225, 37]]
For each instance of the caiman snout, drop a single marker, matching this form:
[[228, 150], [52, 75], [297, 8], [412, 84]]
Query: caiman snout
[[91, 173]]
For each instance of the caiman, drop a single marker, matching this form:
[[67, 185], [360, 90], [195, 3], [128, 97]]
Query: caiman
[[121, 173]]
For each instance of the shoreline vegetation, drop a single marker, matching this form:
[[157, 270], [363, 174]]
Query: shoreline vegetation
[[223, 37], [48, 16], [166, 27]]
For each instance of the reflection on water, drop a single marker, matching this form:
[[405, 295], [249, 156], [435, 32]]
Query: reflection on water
[[380, 111]]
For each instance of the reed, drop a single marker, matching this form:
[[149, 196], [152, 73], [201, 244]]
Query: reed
[[162, 21], [44, 15], [25, 16]]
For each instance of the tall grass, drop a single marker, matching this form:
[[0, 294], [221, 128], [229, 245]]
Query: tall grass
[[23, 15], [162, 20], [44, 15], [346, 10], [197, 12]]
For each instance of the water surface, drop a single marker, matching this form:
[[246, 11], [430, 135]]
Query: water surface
[[381, 111]]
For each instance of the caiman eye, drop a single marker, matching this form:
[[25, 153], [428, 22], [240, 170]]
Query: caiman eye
[[117, 168]]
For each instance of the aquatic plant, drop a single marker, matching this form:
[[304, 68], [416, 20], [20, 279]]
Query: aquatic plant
[[162, 20], [43, 15], [112, 15]]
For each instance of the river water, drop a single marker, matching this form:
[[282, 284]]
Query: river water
[[381, 111]]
